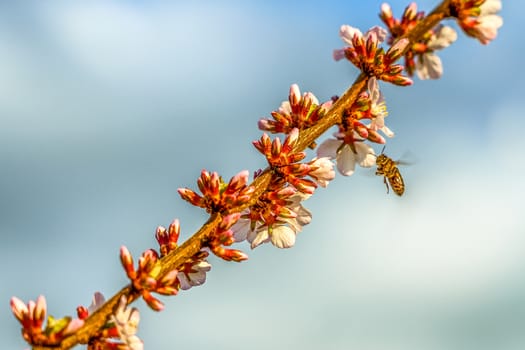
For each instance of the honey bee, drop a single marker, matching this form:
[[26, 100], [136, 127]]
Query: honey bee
[[388, 168]]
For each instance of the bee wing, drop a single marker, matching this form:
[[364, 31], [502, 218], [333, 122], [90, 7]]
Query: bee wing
[[408, 158], [368, 172]]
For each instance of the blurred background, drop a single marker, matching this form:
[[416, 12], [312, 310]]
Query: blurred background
[[107, 107]]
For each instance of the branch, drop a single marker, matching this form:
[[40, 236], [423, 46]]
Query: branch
[[194, 244]]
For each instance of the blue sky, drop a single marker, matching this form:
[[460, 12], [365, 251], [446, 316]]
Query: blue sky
[[107, 107]]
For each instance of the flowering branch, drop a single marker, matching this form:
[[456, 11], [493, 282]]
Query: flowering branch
[[269, 209]]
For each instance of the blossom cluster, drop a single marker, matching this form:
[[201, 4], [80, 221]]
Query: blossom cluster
[[301, 112], [120, 330], [420, 56], [478, 18], [32, 317], [365, 52], [278, 215], [362, 121]]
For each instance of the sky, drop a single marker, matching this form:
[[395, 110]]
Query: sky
[[107, 107]]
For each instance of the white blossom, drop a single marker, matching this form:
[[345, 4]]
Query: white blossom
[[281, 236], [345, 156], [126, 321], [378, 108], [428, 65], [324, 172], [485, 26], [196, 277]]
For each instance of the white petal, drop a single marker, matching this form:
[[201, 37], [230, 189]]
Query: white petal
[[428, 66], [184, 281], [295, 94], [378, 122], [373, 90], [297, 198], [285, 108], [444, 37], [283, 237], [488, 27], [134, 343], [292, 138], [323, 163], [492, 21], [310, 96], [398, 47], [380, 33], [387, 131], [328, 148], [421, 70], [325, 171], [197, 278], [252, 234], [347, 33], [325, 106], [490, 7], [304, 216], [338, 54], [386, 9], [294, 224], [377, 104], [363, 149], [368, 161], [365, 155], [203, 265], [261, 237], [240, 229], [98, 301], [346, 161]]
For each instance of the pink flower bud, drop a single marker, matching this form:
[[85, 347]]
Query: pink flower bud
[[127, 262], [386, 11], [19, 308], [295, 94], [397, 49]]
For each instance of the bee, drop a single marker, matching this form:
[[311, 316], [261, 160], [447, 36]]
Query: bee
[[388, 168]]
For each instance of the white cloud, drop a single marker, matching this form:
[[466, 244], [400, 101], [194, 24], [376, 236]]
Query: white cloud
[[455, 237], [506, 142], [126, 43]]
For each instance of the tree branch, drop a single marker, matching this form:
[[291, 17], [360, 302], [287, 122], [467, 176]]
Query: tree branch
[[195, 243]]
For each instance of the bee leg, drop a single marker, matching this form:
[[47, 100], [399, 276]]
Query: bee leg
[[386, 184]]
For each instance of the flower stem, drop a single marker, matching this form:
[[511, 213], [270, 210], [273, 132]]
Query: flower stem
[[438, 14]]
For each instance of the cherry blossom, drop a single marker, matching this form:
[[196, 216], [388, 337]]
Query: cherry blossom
[[364, 52], [478, 19], [126, 321], [323, 171], [218, 196], [420, 56], [428, 64], [276, 218], [32, 317], [284, 160], [345, 156], [378, 108], [194, 273], [299, 112], [147, 278]]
